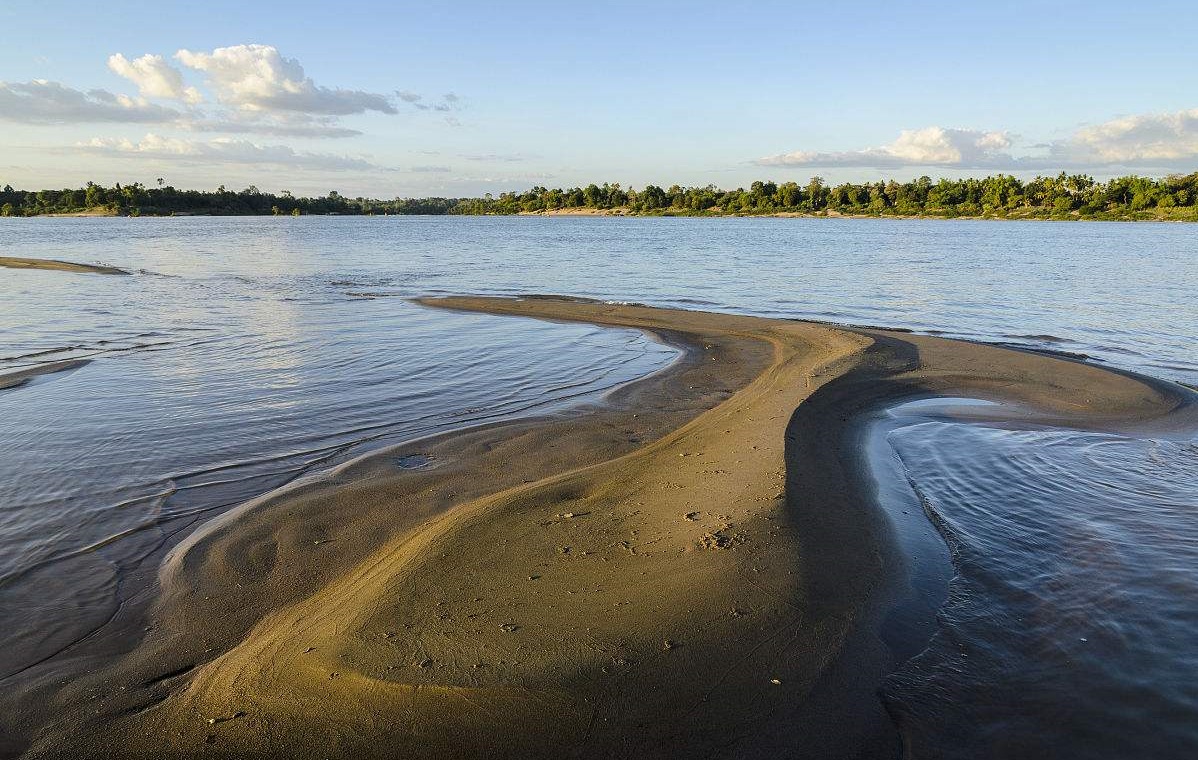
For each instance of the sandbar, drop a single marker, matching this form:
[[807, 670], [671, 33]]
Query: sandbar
[[23, 376], [695, 567], [15, 262]]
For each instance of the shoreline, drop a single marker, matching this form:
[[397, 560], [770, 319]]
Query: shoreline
[[674, 213], [784, 573], [625, 213]]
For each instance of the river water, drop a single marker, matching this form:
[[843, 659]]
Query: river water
[[246, 352]]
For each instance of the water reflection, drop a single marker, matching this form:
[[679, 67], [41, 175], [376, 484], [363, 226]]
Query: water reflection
[[208, 392]]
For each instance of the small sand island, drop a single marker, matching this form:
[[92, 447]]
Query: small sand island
[[14, 262], [695, 568], [21, 377]]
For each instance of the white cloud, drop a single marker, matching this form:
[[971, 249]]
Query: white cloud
[[154, 77], [257, 78], [221, 150], [930, 146], [249, 89], [1167, 142], [44, 102], [1147, 139]]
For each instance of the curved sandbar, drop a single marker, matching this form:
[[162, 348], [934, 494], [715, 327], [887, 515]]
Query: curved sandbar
[[15, 262], [695, 569]]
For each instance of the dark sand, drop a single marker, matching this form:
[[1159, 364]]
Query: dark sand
[[696, 568], [14, 262]]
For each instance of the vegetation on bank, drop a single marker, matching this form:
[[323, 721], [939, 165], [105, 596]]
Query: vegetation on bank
[[1002, 196]]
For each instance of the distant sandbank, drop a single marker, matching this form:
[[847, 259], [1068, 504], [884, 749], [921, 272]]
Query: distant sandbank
[[14, 262], [695, 567], [21, 377]]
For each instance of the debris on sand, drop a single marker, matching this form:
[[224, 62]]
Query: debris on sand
[[721, 538], [226, 718]]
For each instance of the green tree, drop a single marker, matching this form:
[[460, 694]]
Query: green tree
[[817, 194], [790, 195], [93, 196], [652, 197]]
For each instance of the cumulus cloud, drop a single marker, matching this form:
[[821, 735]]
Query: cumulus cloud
[[257, 78], [1166, 142], [154, 77], [930, 146], [44, 102], [221, 150], [248, 90], [1146, 139]]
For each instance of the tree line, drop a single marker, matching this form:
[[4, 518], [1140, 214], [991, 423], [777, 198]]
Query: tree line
[[1003, 196]]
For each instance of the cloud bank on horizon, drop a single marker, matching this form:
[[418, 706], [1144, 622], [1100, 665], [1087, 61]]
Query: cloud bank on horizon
[[44, 102], [221, 150], [1151, 141]]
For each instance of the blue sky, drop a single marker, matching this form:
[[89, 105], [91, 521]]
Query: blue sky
[[407, 99]]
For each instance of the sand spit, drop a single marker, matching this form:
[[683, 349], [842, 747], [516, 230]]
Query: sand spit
[[693, 569], [21, 377], [14, 262]]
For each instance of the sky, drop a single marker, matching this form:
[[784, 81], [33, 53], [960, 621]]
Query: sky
[[399, 99]]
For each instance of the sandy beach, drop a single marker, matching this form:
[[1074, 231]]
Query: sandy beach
[[696, 567]]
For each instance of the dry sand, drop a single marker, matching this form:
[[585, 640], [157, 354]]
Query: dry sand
[[695, 568], [14, 262]]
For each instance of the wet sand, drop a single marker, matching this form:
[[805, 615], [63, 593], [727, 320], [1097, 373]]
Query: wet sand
[[14, 262], [696, 567], [23, 376]]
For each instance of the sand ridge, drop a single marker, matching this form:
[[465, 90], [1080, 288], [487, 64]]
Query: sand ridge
[[16, 262], [697, 569], [21, 377]]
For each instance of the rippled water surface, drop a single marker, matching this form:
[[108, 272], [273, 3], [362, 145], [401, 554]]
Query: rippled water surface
[[245, 352], [1121, 293], [1071, 625]]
